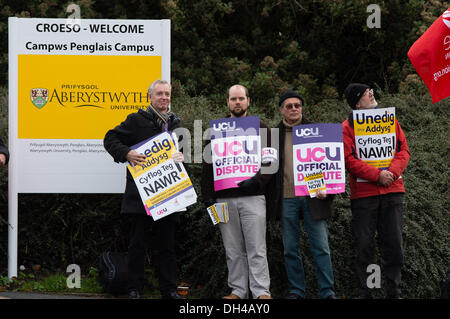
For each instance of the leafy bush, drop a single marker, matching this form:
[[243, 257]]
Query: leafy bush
[[426, 214], [267, 45], [315, 47]]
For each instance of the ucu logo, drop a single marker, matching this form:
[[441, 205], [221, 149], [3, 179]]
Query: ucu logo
[[224, 126], [306, 132], [162, 211], [235, 148], [268, 151], [318, 154]]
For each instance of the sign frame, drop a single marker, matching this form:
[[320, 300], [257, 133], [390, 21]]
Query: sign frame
[[110, 177]]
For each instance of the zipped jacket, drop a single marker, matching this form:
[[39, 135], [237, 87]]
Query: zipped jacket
[[357, 169]]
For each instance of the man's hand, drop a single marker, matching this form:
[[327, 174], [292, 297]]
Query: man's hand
[[178, 157], [135, 158], [385, 178], [321, 194], [249, 186], [2, 160]]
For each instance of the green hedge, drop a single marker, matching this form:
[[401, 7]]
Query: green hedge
[[59, 229], [316, 47], [426, 213]]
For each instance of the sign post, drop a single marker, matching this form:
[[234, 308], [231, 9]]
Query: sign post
[[163, 184], [69, 83], [375, 138], [318, 150], [236, 150]]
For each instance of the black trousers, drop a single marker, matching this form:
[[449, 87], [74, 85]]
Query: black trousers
[[382, 214], [164, 244]]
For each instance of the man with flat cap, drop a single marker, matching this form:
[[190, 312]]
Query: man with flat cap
[[376, 199], [290, 209]]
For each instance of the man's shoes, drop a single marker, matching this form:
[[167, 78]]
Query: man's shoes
[[172, 295], [332, 296], [231, 296], [264, 297], [134, 294], [294, 296]]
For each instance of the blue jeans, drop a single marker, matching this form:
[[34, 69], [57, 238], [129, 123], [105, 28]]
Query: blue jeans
[[317, 231]]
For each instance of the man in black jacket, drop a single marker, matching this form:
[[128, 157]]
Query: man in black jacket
[[284, 205], [244, 236], [136, 128]]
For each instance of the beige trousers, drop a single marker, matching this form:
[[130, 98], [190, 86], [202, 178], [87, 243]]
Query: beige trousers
[[244, 239]]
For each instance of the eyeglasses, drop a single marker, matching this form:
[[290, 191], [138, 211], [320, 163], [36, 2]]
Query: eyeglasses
[[293, 105], [370, 91]]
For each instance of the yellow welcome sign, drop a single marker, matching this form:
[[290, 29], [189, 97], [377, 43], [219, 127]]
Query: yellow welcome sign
[[80, 96]]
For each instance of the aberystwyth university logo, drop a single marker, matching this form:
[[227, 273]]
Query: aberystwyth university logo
[[82, 102], [89, 96], [39, 97]]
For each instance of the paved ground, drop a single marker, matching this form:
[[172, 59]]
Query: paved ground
[[33, 295]]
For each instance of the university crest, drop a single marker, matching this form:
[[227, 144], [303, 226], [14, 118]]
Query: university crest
[[39, 97]]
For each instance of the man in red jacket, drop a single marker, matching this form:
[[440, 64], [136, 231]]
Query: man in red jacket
[[376, 202]]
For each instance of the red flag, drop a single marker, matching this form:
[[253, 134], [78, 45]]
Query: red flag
[[430, 56]]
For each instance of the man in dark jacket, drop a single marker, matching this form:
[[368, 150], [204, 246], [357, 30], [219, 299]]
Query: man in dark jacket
[[244, 236], [289, 208], [136, 128], [4, 154]]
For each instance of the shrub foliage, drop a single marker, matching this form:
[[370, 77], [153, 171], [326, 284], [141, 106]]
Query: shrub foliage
[[315, 47], [59, 229]]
